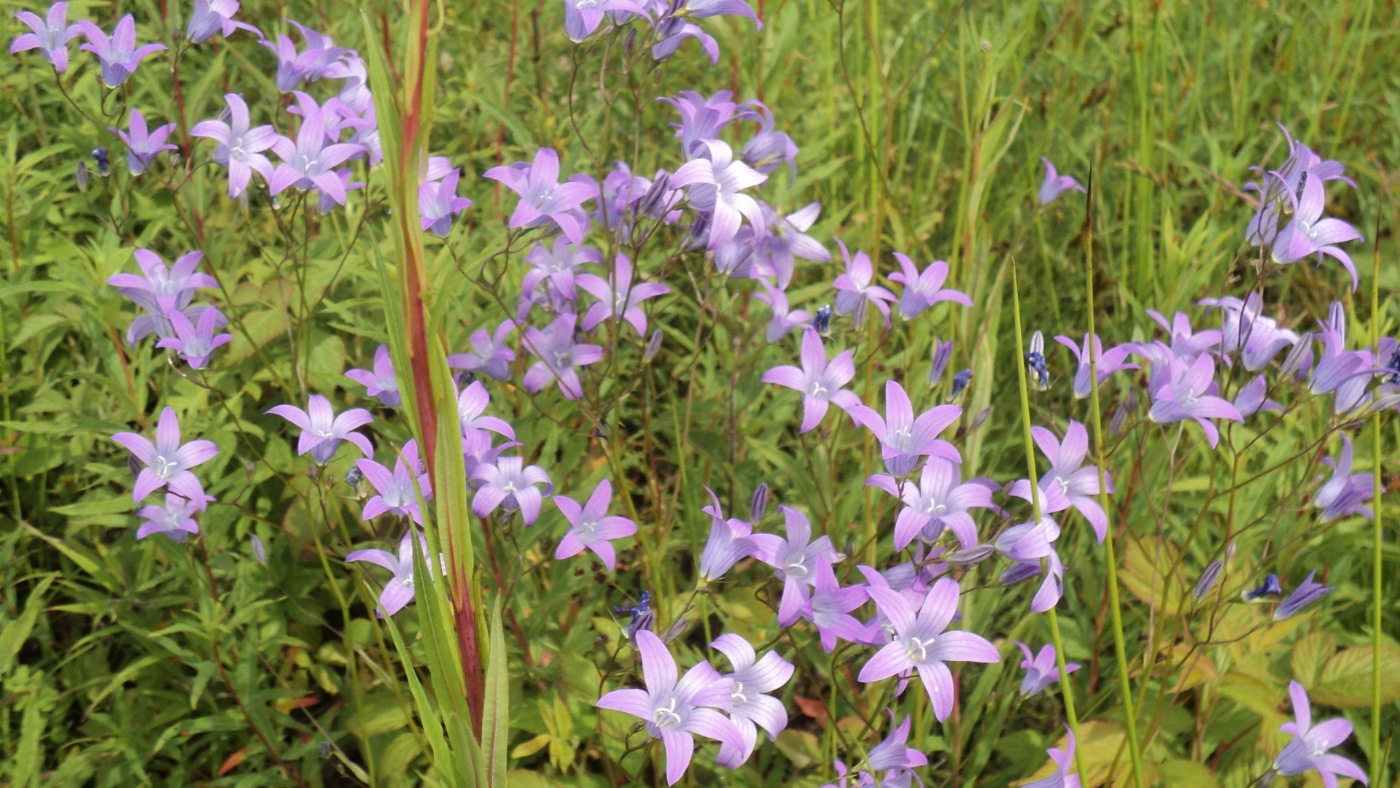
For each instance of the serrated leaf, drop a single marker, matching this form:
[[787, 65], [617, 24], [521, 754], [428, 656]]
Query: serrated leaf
[[1345, 681]]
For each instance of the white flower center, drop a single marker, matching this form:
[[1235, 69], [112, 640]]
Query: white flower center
[[738, 696], [917, 650], [164, 468], [666, 717], [794, 566]]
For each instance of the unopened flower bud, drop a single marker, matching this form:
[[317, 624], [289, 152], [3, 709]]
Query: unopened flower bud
[[942, 353], [1208, 578], [822, 321], [1298, 363], [104, 165], [960, 382], [653, 346], [629, 41], [82, 176], [758, 504], [259, 552]]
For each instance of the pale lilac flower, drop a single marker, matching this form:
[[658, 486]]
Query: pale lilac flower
[[51, 34], [195, 342], [119, 54], [1250, 399], [730, 541], [240, 147], [904, 439], [490, 355], [895, 758], [1027, 544], [471, 404], [784, 319], [162, 287], [322, 430], [748, 707], [796, 559], [1064, 761], [143, 146], [675, 711], [175, 519], [560, 357], [1305, 594], [1041, 670], [582, 17], [1245, 330], [293, 66], [1302, 163], [1054, 184], [1185, 397], [591, 527], [922, 644], [701, 118], [1341, 372], [1186, 341], [509, 485], [855, 291], [399, 591], [716, 181], [618, 296], [786, 239], [1307, 233], [769, 148], [544, 201], [923, 289], [1307, 751], [1106, 363], [167, 461], [1080, 485], [829, 608], [942, 354], [212, 17], [379, 382], [821, 382], [325, 202], [556, 266], [940, 500], [398, 491], [312, 163], [438, 203], [1346, 493]]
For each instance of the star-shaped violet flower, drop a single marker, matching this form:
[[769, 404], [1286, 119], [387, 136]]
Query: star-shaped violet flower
[[1041, 670], [142, 146], [582, 17], [619, 297], [786, 239], [438, 203], [940, 500], [1307, 752], [784, 319], [312, 163], [399, 591], [591, 527], [162, 287], [1054, 184], [398, 491], [195, 342], [1080, 485], [508, 484], [322, 430], [490, 355], [560, 357], [214, 17], [292, 67], [51, 34], [1346, 493], [716, 181], [829, 608], [730, 541], [1185, 397], [175, 519], [544, 201], [1064, 761], [904, 439], [167, 461], [795, 559], [923, 289], [922, 642], [821, 382], [855, 291], [1307, 233], [676, 711], [118, 55], [379, 382], [748, 707], [240, 147], [1105, 363]]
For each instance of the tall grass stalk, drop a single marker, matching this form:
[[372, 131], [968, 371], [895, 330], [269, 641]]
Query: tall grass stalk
[[1377, 533]]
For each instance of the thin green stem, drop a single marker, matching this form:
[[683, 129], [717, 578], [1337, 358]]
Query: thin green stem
[[1377, 540]]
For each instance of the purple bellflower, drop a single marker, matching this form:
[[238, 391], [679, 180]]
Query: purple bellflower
[[557, 266], [1305, 594], [895, 758], [821, 382], [313, 162], [322, 430], [175, 519], [1245, 330], [1307, 751], [560, 357], [162, 287], [855, 291], [195, 342], [1080, 485], [438, 203], [1185, 341], [1302, 163], [940, 500], [716, 181], [142, 146], [167, 461], [293, 66], [923, 289], [118, 55], [730, 541], [750, 709], [1054, 184], [904, 439], [701, 118], [582, 17], [591, 527], [544, 201], [510, 485], [830, 606], [776, 251], [490, 355], [675, 711], [784, 319], [240, 147], [399, 591], [795, 558], [214, 17], [769, 148], [1185, 397], [51, 34], [1105, 363], [398, 491], [1341, 372], [922, 642], [618, 296], [1041, 670], [1064, 761], [380, 382], [1307, 233], [471, 404], [1346, 493]]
